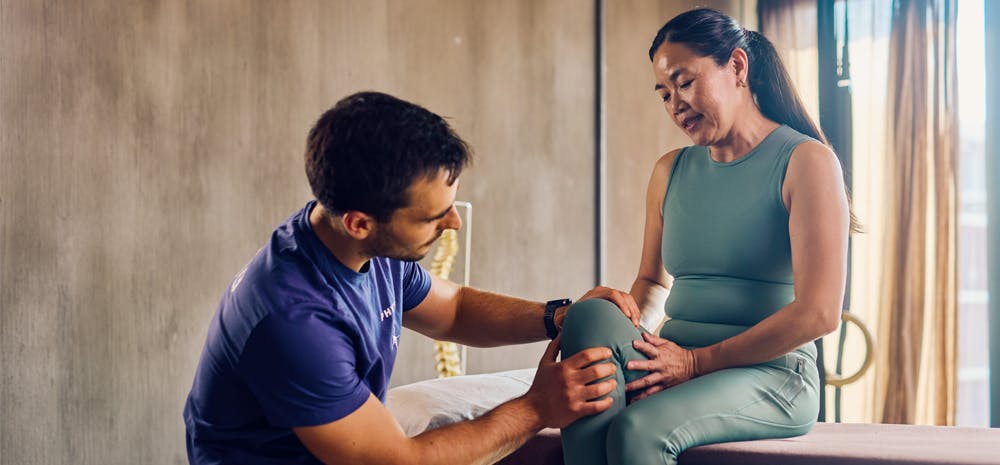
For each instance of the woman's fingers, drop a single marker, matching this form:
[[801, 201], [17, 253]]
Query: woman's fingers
[[648, 392], [653, 339], [649, 350], [644, 382]]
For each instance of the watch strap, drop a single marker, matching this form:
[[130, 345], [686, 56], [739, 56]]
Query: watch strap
[[549, 316]]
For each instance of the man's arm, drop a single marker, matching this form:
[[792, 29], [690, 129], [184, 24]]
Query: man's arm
[[559, 395], [477, 318]]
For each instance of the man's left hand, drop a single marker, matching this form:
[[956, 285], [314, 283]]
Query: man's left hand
[[623, 300]]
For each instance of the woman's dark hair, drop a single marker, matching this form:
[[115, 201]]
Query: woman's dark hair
[[711, 33], [365, 153]]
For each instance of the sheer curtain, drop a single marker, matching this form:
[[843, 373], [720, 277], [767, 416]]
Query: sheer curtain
[[917, 375]]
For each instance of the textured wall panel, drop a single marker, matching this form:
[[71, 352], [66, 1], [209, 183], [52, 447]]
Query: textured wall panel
[[148, 148]]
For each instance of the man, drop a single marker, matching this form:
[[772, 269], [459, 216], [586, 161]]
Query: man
[[298, 357]]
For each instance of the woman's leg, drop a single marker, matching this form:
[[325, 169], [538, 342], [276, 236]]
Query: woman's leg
[[598, 323], [771, 400]]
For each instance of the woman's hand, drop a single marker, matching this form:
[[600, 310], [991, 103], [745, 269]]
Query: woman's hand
[[669, 364]]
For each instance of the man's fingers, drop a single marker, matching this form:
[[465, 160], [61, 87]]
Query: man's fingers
[[551, 351], [589, 356], [596, 406], [627, 305], [594, 391], [598, 371], [633, 309]]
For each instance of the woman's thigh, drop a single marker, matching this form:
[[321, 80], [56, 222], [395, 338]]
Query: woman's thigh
[[771, 400]]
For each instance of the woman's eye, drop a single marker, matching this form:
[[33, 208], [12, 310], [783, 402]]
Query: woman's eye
[[666, 98], [686, 84]]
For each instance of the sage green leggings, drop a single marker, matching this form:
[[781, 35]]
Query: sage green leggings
[[776, 399]]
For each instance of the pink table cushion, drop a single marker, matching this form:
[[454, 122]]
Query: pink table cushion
[[827, 444]]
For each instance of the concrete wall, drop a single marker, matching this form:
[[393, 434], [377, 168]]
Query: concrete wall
[[638, 129], [148, 148]]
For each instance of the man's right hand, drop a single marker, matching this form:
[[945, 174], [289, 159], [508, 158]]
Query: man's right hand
[[560, 394], [565, 391]]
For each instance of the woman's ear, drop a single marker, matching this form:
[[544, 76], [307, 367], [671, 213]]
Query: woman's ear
[[739, 64]]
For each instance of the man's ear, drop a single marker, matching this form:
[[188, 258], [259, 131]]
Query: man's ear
[[357, 224]]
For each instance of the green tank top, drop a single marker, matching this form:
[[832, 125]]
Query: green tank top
[[725, 240]]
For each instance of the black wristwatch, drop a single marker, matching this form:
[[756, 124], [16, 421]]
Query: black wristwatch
[[549, 316]]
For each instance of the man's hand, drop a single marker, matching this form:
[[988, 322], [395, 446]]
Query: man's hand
[[562, 392], [669, 364], [623, 300]]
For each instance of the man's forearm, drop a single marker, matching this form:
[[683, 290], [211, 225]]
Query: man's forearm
[[484, 440], [485, 319]]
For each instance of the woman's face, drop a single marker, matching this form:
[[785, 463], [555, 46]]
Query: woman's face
[[699, 96]]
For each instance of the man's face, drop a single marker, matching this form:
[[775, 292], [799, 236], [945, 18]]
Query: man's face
[[410, 232]]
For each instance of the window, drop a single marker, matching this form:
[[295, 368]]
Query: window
[[973, 352]]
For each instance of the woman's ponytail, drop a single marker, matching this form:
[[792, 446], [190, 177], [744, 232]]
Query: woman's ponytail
[[772, 87]]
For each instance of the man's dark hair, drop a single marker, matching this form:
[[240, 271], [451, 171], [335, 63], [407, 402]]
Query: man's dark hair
[[365, 152]]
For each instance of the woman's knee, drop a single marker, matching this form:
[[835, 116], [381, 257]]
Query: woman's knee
[[637, 437], [595, 323]]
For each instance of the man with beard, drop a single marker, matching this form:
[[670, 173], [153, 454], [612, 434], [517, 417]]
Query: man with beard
[[298, 357]]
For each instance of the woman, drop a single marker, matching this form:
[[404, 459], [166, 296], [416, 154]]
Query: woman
[[759, 198]]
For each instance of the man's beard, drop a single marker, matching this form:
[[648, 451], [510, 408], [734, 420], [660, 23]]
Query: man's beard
[[384, 244]]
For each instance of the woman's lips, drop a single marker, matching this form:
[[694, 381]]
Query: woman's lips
[[689, 123]]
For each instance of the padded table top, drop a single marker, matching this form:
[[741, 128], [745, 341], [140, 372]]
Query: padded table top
[[827, 443]]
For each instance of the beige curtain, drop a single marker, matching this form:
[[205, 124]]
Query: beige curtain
[[916, 374]]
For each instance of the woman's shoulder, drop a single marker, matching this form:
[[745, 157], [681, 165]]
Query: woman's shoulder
[[812, 161], [665, 164], [666, 161]]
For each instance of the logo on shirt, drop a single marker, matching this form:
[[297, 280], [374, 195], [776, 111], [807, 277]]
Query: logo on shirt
[[395, 341], [387, 313], [238, 279]]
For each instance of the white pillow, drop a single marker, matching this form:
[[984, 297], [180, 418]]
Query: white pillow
[[426, 405]]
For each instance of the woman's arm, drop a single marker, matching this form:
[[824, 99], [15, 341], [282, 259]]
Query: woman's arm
[[818, 226], [652, 283]]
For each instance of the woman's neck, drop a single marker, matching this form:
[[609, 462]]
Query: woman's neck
[[743, 137]]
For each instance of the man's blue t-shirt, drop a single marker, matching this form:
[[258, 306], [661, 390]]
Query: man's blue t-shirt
[[298, 339]]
